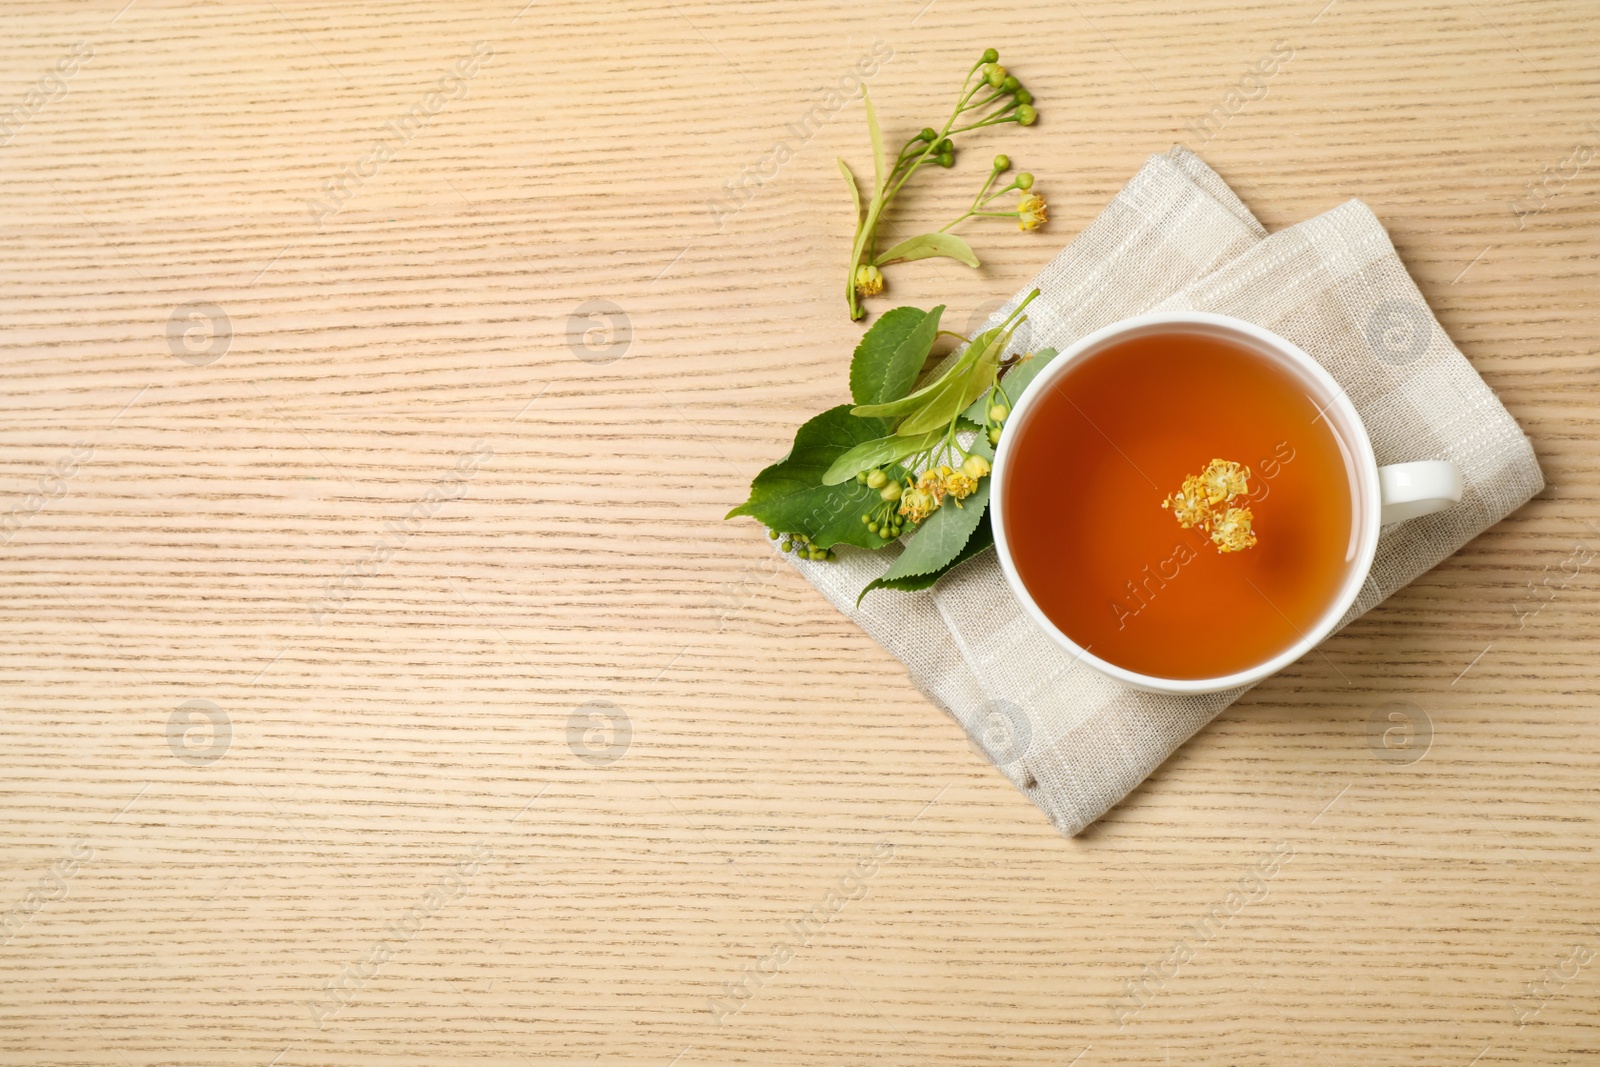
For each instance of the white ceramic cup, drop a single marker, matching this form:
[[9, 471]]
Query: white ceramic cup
[[1379, 495]]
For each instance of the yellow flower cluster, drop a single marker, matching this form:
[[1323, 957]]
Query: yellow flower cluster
[[917, 504], [936, 483], [1207, 501], [1031, 213]]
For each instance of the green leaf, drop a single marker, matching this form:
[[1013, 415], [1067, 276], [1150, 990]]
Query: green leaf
[[880, 160], [927, 246], [875, 352], [891, 353], [904, 405], [981, 540], [1015, 381], [789, 495], [855, 190], [940, 538], [870, 454]]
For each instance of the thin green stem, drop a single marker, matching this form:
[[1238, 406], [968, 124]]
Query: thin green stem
[[990, 121], [904, 157], [978, 201], [1001, 192], [926, 152], [1014, 320], [993, 174], [992, 99], [958, 221]]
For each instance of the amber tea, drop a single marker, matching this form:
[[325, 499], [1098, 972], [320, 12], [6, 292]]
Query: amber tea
[[1117, 434]]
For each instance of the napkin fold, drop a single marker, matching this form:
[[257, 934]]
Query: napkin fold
[[1177, 238]]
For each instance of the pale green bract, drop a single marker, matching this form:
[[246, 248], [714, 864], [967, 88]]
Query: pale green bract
[[929, 246], [875, 453]]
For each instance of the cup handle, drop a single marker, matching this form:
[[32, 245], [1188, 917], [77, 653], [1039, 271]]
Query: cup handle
[[1421, 488]]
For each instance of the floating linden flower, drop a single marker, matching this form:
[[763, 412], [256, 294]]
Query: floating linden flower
[[1188, 505], [1205, 501], [1224, 481], [1231, 532]]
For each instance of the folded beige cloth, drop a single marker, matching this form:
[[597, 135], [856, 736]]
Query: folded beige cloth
[[1177, 238]]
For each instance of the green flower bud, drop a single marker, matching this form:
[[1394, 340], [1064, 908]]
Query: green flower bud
[[1026, 115], [1010, 85], [994, 436], [947, 160], [890, 491], [990, 55], [818, 553], [1002, 163], [787, 546], [928, 134], [944, 146], [1024, 181], [875, 479], [861, 477], [994, 74], [866, 520], [1024, 97], [773, 535], [998, 413], [872, 527]]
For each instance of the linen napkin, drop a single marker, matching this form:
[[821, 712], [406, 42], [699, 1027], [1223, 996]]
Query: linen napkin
[[1177, 238]]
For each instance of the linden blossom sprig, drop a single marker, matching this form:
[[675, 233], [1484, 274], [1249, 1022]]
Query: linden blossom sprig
[[989, 97], [926, 425], [1030, 213], [898, 456]]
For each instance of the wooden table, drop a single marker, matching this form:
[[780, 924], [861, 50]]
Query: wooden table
[[381, 684]]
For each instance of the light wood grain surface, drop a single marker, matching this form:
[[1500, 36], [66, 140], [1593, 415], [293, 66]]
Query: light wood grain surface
[[328, 532]]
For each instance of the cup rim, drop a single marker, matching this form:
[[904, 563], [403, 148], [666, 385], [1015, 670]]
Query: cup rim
[[1348, 423]]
